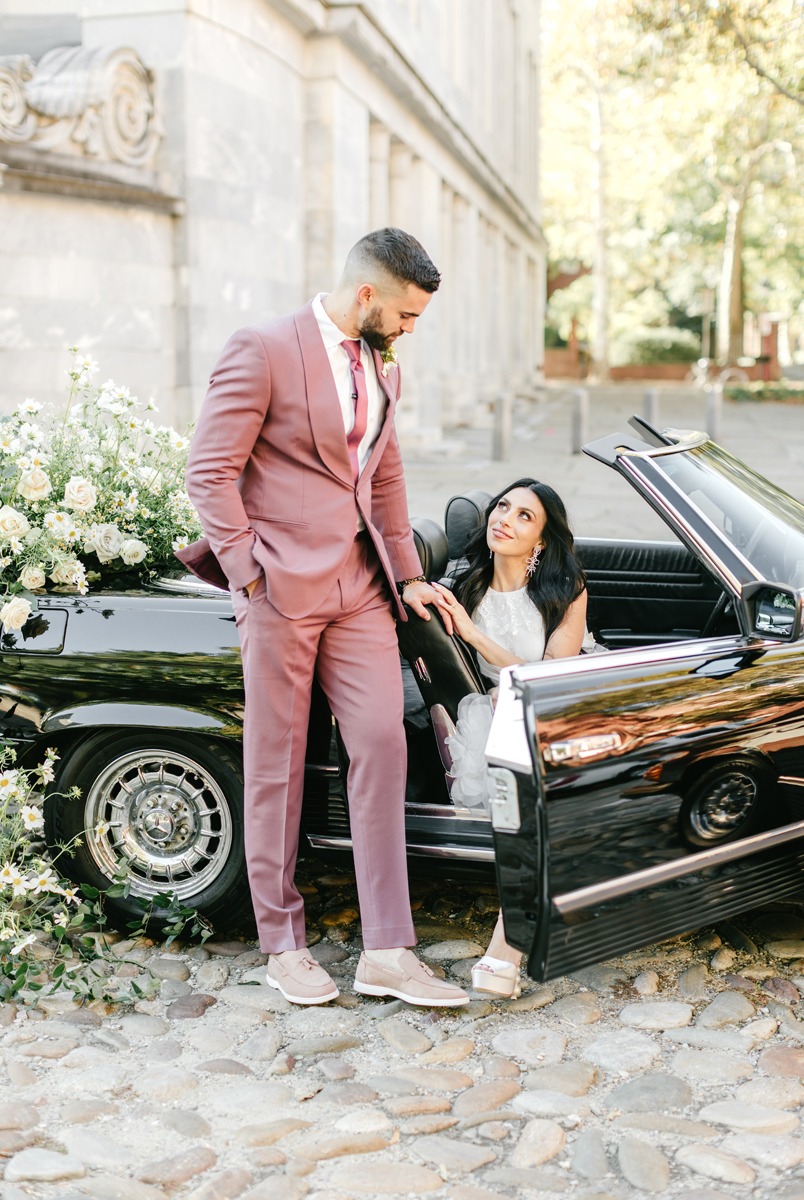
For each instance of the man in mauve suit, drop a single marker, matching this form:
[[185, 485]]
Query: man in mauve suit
[[296, 474]]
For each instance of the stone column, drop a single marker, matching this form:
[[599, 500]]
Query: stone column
[[449, 301], [473, 307], [379, 175], [336, 192], [422, 354], [400, 179]]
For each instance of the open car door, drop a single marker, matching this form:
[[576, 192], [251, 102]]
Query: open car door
[[632, 806], [650, 791]]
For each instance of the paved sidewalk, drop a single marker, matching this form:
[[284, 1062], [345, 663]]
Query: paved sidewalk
[[769, 437]]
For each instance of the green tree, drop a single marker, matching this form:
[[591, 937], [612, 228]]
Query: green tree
[[701, 189], [763, 35], [742, 60]]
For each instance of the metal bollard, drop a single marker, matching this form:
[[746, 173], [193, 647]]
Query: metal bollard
[[714, 410], [650, 407], [580, 419], [501, 436]]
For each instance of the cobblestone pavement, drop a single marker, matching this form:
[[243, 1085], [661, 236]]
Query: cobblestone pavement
[[675, 1071]]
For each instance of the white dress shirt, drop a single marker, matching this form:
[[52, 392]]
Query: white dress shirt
[[339, 361]]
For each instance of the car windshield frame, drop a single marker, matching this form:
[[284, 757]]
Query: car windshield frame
[[744, 528]]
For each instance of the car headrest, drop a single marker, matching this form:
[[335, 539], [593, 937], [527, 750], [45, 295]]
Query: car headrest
[[462, 516], [431, 543]]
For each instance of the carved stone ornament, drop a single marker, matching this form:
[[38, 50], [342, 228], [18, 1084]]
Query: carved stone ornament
[[92, 102]]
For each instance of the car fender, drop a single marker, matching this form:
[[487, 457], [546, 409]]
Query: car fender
[[129, 714]]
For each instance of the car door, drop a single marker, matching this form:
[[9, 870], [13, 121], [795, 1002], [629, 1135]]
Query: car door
[[649, 791], [598, 764]]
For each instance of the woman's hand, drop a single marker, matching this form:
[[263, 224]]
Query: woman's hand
[[462, 623]]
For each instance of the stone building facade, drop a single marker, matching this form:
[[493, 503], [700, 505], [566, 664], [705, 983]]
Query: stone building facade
[[173, 169]]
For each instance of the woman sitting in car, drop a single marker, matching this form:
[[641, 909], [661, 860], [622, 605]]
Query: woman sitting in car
[[520, 597]]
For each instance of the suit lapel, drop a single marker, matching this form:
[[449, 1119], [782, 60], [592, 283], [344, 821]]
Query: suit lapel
[[326, 417], [388, 386]]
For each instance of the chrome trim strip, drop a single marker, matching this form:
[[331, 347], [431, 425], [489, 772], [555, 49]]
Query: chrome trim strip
[[188, 584], [447, 812], [791, 781], [461, 852], [613, 889], [633, 656], [688, 439]]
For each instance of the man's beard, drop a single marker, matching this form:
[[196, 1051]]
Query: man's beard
[[372, 334]]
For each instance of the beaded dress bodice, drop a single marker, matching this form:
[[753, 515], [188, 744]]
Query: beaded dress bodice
[[512, 620]]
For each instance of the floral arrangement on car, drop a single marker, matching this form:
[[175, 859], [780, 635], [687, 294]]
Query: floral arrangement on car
[[88, 493]]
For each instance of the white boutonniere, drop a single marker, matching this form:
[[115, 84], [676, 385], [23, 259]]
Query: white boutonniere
[[389, 359]]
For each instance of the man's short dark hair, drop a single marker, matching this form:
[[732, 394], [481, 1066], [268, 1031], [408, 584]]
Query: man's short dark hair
[[398, 254]]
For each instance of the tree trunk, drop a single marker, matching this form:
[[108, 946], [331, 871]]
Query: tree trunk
[[730, 289], [600, 270]]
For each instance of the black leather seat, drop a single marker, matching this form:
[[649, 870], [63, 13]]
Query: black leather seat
[[462, 516], [444, 667]]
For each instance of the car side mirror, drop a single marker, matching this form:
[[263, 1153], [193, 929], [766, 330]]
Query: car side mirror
[[774, 611]]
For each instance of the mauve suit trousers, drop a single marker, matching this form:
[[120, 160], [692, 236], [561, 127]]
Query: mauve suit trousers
[[349, 642]]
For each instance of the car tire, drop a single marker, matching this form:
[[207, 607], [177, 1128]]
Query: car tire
[[167, 807], [727, 801]]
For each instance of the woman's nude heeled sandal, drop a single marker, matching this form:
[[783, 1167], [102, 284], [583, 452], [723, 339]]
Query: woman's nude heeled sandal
[[496, 977]]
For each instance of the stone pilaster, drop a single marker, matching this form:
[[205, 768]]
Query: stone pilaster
[[379, 175]]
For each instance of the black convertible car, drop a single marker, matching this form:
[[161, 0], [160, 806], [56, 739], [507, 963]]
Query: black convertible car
[[640, 792]]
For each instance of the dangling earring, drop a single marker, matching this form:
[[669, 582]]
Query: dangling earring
[[533, 561]]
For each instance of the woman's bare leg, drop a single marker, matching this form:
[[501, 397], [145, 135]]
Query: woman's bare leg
[[499, 948]]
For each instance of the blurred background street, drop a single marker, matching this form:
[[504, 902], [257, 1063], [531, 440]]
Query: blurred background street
[[768, 436]]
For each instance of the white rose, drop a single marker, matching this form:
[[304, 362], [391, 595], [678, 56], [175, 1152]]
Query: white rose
[[133, 551], [14, 613], [66, 572], [34, 485], [32, 578], [12, 523], [80, 494], [105, 540]]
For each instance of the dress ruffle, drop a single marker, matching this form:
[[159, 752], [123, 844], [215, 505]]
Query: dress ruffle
[[472, 783]]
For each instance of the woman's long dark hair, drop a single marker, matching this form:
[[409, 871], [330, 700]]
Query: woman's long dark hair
[[558, 579]]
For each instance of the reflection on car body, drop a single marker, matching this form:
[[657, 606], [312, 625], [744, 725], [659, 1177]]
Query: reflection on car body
[[639, 793]]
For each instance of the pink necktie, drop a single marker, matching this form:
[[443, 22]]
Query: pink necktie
[[360, 399]]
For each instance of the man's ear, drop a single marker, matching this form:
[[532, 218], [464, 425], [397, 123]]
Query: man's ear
[[366, 295]]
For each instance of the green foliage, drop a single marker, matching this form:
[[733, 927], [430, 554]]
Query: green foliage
[[784, 392], [553, 338], [762, 36], [656, 345]]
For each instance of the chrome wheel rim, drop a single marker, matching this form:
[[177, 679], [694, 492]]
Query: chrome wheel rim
[[725, 806], [162, 819]]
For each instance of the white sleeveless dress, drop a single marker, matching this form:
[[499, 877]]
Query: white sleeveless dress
[[513, 621]]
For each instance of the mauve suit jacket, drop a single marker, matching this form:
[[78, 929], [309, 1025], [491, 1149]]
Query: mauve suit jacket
[[270, 476]]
